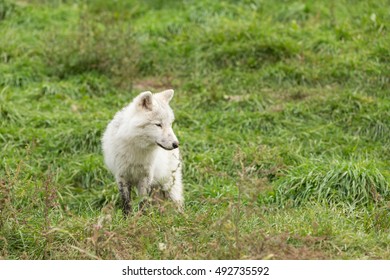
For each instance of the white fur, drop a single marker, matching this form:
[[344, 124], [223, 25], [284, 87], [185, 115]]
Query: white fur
[[141, 153]]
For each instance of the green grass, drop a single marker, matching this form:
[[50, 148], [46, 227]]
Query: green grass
[[351, 183], [282, 110]]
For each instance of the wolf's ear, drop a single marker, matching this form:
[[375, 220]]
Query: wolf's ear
[[145, 100], [166, 95]]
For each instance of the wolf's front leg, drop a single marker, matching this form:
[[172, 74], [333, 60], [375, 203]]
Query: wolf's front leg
[[125, 191], [143, 191], [175, 188], [176, 194]]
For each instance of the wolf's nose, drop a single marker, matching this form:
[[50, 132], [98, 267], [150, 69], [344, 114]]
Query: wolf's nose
[[175, 145]]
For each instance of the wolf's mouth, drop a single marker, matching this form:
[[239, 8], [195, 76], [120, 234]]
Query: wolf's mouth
[[165, 148]]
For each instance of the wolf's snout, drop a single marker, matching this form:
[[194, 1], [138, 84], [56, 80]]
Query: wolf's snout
[[168, 146]]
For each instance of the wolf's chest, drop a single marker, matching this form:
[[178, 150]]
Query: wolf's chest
[[135, 172]]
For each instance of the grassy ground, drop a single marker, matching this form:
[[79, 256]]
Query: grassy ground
[[282, 109]]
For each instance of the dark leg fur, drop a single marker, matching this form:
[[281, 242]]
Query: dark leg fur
[[125, 190]]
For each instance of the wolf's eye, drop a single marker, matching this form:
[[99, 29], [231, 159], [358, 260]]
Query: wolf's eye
[[158, 124]]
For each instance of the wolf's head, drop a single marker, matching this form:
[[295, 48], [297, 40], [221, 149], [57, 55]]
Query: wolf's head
[[153, 118]]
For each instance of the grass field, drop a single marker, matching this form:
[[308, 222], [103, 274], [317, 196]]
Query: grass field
[[282, 110]]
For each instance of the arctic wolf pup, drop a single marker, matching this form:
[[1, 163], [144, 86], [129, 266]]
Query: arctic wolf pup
[[141, 149]]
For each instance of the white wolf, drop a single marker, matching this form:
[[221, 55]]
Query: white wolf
[[141, 149]]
